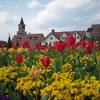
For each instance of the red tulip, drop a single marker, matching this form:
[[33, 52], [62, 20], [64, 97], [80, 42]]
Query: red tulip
[[83, 43], [40, 47], [25, 43], [76, 45], [50, 47], [45, 61], [14, 46], [89, 47], [60, 46], [70, 41], [19, 59]]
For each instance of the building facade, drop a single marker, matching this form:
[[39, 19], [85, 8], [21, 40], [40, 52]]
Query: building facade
[[93, 33], [53, 36], [34, 39]]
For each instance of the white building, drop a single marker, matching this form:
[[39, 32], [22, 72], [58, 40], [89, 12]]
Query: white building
[[53, 36]]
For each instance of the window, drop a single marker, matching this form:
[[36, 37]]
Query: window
[[50, 43], [78, 37], [46, 43], [51, 38], [53, 43], [17, 42], [62, 38]]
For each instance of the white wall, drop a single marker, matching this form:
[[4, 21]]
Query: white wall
[[77, 36], [88, 34], [49, 40], [63, 37]]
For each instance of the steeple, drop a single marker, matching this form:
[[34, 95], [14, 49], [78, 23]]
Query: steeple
[[21, 27], [21, 21]]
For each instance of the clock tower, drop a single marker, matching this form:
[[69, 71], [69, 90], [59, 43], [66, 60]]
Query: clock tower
[[21, 27]]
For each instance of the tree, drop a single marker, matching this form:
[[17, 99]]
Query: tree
[[17, 42], [9, 44]]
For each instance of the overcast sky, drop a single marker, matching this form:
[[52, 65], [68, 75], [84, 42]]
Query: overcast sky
[[44, 15]]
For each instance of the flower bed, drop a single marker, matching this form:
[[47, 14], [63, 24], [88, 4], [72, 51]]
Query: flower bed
[[62, 72]]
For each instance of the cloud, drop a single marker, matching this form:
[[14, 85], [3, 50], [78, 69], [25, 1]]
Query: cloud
[[3, 16], [8, 24], [7, 18], [60, 13], [97, 16], [34, 4]]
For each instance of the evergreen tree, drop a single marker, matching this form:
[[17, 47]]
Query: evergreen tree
[[9, 44], [17, 43]]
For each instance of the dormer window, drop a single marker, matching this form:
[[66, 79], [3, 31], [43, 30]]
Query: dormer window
[[62, 38], [74, 35]]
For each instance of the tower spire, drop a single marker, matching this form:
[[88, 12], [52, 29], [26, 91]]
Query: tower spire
[[21, 21], [21, 27]]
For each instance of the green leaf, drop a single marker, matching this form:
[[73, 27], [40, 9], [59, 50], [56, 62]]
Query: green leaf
[[44, 98]]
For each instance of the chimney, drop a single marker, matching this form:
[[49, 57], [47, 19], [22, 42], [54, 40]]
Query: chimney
[[52, 30]]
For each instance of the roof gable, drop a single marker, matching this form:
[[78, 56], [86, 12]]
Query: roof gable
[[50, 34]]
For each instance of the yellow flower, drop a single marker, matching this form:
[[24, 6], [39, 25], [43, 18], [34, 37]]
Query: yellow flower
[[35, 73], [98, 57], [79, 97], [4, 49], [93, 78], [67, 67], [57, 94], [11, 50], [39, 83], [20, 50], [24, 93]]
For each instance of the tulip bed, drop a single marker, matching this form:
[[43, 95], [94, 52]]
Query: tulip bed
[[54, 73]]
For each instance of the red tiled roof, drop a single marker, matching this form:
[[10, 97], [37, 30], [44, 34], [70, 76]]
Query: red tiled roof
[[69, 32], [56, 34], [81, 33], [59, 34], [37, 38]]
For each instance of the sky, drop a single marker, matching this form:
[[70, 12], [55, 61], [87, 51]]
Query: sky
[[41, 16]]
